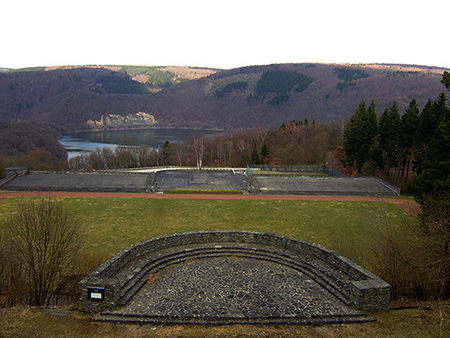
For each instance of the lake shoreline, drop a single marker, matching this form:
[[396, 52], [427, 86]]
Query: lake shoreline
[[218, 130], [85, 142]]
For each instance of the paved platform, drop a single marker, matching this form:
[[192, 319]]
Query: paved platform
[[200, 179], [115, 181], [233, 290], [348, 186], [90, 181]]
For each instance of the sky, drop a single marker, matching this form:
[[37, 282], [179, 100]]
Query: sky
[[222, 34]]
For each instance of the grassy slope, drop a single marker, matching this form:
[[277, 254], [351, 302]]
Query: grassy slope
[[111, 224]]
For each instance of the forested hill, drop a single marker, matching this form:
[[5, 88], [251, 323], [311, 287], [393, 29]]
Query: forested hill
[[66, 98]]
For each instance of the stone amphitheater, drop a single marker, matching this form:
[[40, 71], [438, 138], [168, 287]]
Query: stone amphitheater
[[222, 277], [232, 277]]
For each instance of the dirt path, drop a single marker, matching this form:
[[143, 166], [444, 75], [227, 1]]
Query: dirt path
[[407, 205]]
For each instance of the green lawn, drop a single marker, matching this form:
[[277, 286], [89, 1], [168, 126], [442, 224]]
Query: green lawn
[[110, 224]]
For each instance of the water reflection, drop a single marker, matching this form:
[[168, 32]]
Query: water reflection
[[76, 146], [86, 142]]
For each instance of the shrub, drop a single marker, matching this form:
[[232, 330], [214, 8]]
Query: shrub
[[43, 241]]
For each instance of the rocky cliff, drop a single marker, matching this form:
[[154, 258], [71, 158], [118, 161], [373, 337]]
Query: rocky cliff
[[110, 121]]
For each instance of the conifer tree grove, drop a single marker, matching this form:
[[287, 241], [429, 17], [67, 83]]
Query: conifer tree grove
[[395, 146], [431, 188]]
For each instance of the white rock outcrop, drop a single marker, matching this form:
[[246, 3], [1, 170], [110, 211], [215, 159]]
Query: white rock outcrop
[[110, 121]]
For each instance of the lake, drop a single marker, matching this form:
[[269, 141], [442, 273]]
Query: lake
[[81, 143]]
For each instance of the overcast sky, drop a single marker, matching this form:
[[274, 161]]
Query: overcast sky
[[223, 34]]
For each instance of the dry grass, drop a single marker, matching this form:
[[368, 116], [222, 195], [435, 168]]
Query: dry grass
[[189, 73], [427, 320]]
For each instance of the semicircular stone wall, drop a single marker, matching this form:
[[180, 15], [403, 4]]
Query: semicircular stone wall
[[116, 281]]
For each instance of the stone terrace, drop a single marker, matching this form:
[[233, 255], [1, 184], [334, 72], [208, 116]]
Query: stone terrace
[[348, 186], [156, 180], [89, 181], [199, 179]]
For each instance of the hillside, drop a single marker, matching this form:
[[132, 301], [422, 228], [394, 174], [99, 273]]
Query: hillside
[[23, 137], [66, 98]]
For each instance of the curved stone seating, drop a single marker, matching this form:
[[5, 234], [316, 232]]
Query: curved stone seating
[[122, 276]]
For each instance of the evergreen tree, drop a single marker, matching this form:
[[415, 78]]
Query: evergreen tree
[[164, 154], [371, 125], [425, 128], [264, 151], [390, 126], [408, 136], [255, 154], [427, 131], [446, 79], [352, 137], [360, 135], [434, 167]]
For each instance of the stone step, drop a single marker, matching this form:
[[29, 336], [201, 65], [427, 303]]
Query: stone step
[[319, 320]]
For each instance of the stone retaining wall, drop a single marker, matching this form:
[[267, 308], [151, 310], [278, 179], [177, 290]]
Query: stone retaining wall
[[123, 275], [12, 173]]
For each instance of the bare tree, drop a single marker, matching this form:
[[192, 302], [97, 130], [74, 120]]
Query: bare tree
[[199, 148], [46, 240]]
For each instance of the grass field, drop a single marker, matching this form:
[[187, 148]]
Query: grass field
[[110, 224], [203, 191]]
